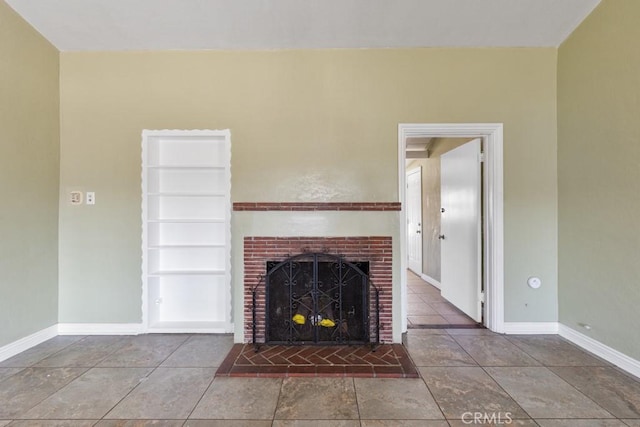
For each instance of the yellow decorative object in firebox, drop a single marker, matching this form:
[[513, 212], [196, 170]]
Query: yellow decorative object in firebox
[[299, 319], [327, 323]]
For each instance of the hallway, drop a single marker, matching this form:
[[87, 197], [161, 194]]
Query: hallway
[[428, 309]]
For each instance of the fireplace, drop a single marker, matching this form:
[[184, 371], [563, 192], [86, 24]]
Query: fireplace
[[317, 298], [324, 290]]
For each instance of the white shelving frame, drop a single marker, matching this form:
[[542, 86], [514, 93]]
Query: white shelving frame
[[186, 231]]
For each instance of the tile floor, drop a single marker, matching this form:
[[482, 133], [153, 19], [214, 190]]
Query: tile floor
[[168, 380], [427, 307]]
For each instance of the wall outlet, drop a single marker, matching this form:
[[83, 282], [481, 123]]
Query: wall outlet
[[91, 198]]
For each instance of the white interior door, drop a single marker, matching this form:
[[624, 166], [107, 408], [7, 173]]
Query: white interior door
[[414, 220], [461, 228]]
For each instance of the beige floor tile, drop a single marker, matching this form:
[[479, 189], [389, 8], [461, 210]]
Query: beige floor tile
[[227, 423], [27, 388], [144, 351], [86, 352], [52, 423], [317, 399], [201, 351], [494, 351], [91, 395], [415, 335], [580, 423], [500, 422], [420, 309], [239, 398], [431, 297], [403, 423], [140, 423], [446, 309], [395, 399], [316, 423], [614, 391], [427, 320], [543, 394], [7, 372], [459, 319], [41, 351], [471, 331], [552, 350], [437, 350], [461, 391], [168, 393]]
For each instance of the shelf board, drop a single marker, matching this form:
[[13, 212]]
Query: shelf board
[[187, 273], [186, 220], [191, 326], [185, 167], [186, 194], [186, 246]]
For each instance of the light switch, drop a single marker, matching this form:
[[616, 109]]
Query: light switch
[[91, 198], [75, 197]]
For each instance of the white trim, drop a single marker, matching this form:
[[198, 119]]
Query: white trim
[[609, 354], [100, 328], [27, 342], [492, 134], [433, 282], [530, 328]]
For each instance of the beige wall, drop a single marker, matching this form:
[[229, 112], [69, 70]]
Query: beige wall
[[305, 125], [29, 147], [599, 176]]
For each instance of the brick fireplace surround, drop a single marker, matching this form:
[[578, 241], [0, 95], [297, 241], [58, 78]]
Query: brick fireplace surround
[[377, 250]]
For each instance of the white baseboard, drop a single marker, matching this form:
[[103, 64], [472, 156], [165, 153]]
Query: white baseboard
[[100, 328], [609, 354], [27, 342], [431, 281], [530, 328]]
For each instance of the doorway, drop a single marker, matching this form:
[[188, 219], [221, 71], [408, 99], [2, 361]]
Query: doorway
[[492, 223], [448, 195]]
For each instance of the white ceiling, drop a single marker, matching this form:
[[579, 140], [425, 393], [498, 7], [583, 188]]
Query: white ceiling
[[81, 25]]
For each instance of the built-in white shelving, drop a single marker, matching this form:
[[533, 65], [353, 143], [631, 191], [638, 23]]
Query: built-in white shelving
[[186, 249]]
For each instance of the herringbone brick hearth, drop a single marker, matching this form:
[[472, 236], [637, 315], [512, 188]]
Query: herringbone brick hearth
[[387, 361]]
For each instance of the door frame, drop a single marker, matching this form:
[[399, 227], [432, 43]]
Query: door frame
[[493, 217], [418, 170]]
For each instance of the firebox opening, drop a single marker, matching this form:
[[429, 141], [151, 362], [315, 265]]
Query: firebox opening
[[317, 299]]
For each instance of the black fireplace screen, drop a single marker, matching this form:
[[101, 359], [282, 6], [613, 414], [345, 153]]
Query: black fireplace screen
[[317, 298]]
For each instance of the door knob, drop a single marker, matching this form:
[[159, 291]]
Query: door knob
[[441, 237], [418, 231]]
